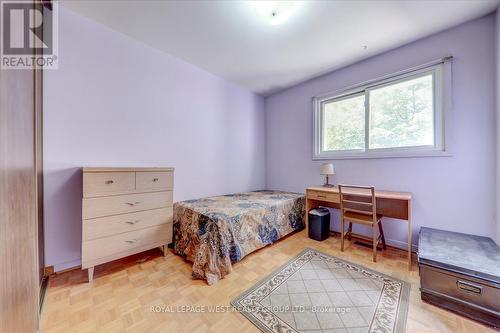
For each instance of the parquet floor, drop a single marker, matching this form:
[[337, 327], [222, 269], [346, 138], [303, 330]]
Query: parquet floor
[[122, 293]]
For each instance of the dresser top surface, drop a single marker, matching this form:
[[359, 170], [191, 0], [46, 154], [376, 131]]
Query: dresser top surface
[[473, 255], [124, 169]]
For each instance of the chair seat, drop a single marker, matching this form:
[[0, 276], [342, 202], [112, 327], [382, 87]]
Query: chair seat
[[361, 218]]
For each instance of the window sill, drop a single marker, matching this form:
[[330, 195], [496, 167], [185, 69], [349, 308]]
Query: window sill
[[384, 154]]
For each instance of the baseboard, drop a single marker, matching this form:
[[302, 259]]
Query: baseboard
[[401, 245], [393, 243], [69, 269], [67, 266], [76, 264]]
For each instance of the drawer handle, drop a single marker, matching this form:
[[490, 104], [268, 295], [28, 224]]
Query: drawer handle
[[133, 222], [469, 287], [108, 182], [155, 179], [321, 196], [132, 203], [131, 241]]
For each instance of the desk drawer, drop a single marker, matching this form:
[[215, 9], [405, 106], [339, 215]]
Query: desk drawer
[[123, 243], [323, 196], [121, 204], [117, 224], [154, 181], [107, 183]]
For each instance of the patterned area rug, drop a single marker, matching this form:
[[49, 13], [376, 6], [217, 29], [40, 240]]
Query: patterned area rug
[[315, 292]]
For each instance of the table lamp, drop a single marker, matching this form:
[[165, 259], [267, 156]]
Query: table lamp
[[327, 170]]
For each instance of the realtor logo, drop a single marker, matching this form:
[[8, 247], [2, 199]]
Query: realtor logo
[[29, 36]]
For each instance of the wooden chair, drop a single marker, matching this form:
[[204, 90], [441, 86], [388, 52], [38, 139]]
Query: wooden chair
[[358, 205]]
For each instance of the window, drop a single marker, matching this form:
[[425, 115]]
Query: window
[[400, 116]]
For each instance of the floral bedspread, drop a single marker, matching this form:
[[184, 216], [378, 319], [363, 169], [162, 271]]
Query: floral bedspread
[[217, 231]]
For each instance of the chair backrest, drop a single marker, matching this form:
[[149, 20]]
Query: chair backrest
[[358, 199]]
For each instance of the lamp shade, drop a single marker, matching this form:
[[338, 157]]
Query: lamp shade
[[327, 169]]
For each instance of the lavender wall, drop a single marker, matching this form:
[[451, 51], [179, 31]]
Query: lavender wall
[[498, 126], [453, 193], [116, 102]]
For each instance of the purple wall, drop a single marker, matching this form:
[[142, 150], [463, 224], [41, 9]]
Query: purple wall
[[117, 102], [453, 193], [498, 126]]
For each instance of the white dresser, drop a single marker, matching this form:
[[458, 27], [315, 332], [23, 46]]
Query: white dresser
[[125, 211]]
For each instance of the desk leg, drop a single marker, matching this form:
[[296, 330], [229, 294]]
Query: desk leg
[[306, 219], [409, 235]]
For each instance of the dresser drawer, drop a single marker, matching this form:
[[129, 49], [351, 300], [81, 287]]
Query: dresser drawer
[[154, 181], [117, 224], [460, 288], [121, 204], [319, 195], [95, 249], [107, 183]]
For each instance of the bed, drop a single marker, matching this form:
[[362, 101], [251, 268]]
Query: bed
[[215, 232]]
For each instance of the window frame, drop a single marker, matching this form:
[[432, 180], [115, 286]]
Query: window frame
[[437, 149]]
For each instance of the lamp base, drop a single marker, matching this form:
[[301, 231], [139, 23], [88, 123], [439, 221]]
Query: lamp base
[[327, 182]]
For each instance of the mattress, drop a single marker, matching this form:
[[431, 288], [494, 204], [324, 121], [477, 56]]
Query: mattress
[[216, 232]]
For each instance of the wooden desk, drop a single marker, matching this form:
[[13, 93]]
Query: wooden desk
[[390, 204]]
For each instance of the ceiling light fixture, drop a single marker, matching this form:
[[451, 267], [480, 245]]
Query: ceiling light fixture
[[274, 12]]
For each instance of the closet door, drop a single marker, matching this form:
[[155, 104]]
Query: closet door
[[19, 276]]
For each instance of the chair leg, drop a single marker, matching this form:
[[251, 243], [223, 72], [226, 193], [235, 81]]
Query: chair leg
[[349, 230], [382, 237], [374, 234], [342, 235]]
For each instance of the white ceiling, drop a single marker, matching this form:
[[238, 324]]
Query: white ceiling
[[229, 38]]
